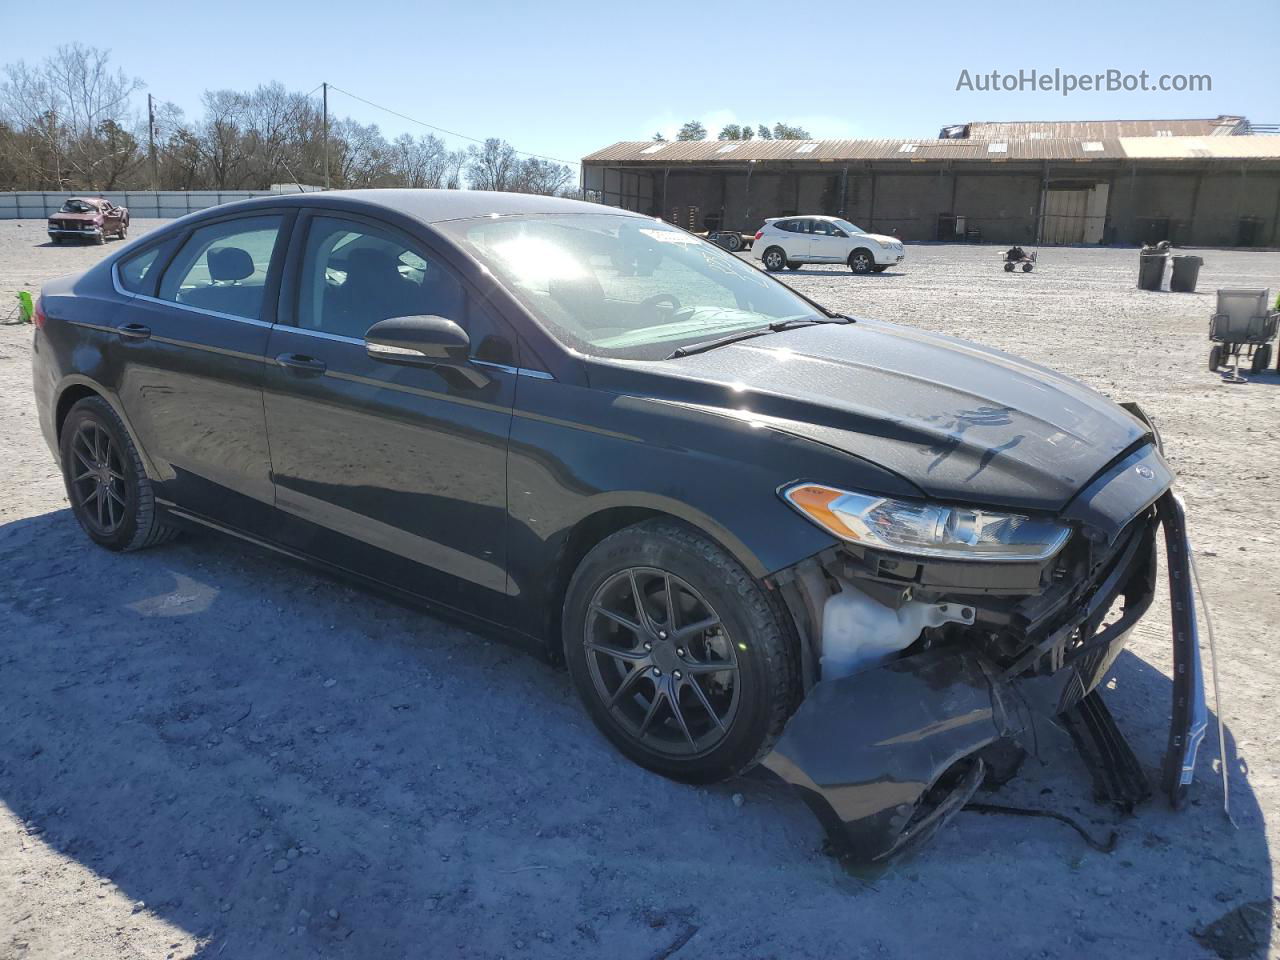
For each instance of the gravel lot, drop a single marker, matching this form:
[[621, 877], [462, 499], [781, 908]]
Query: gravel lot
[[207, 751]]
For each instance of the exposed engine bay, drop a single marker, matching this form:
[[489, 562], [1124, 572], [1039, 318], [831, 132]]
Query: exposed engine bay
[[914, 670]]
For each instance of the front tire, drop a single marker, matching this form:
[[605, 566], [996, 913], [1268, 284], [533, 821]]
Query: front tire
[[774, 259], [1261, 359], [861, 261], [110, 493], [681, 658]]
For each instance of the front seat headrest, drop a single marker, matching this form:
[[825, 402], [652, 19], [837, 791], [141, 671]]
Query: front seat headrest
[[230, 263], [372, 265]]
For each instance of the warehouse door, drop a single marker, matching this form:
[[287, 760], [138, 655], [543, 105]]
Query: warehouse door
[[1065, 214]]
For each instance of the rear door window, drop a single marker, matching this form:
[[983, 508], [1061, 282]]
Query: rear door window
[[223, 267]]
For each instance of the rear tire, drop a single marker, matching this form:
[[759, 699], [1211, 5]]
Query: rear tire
[[722, 615], [1215, 359], [775, 258], [880, 267], [794, 264], [110, 493], [861, 261], [1010, 266], [733, 243]]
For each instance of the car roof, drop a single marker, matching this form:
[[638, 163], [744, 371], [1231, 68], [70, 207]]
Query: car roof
[[435, 206]]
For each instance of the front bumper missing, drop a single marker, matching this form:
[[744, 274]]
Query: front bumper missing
[[886, 755]]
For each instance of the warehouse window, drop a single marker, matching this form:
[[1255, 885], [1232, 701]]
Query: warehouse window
[[1091, 146], [907, 148], [806, 148], [997, 148]]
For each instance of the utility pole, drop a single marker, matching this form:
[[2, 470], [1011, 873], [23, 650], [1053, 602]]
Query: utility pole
[[151, 141], [326, 134]]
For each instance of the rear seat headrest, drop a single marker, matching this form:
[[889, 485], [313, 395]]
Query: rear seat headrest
[[229, 263]]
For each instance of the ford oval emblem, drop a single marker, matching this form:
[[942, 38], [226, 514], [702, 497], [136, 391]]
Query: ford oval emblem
[[1146, 473]]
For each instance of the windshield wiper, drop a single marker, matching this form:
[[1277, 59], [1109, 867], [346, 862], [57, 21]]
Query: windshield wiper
[[776, 327]]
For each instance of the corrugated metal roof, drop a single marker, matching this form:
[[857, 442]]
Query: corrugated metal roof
[[676, 153], [1261, 146], [737, 152], [1102, 129]]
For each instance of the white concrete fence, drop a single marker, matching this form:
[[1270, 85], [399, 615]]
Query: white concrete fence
[[142, 204]]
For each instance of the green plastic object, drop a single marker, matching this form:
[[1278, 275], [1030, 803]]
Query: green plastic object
[[26, 307]]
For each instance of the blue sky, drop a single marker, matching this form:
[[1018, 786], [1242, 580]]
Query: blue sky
[[562, 78]]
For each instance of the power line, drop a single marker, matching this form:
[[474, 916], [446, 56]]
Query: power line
[[452, 133]]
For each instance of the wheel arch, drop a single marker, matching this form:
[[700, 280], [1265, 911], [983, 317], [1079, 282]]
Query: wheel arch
[[616, 513], [77, 388]]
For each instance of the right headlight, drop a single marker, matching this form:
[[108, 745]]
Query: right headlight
[[927, 529]]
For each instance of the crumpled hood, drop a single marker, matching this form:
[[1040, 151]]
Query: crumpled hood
[[960, 421]]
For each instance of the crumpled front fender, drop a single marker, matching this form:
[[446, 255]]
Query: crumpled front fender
[[865, 751]]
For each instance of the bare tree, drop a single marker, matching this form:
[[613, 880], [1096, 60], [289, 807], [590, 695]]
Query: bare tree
[[544, 177], [421, 163], [69, 123], [221, 138], [494, 166]]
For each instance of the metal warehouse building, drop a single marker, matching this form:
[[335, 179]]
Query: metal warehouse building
[[1195, 182]]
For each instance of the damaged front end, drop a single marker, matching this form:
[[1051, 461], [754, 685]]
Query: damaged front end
[[917, 670]]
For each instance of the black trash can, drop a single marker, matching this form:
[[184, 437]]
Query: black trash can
[[1186, 271], [1151, 271]]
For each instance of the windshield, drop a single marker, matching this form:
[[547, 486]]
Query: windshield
[[620, 286], [78, 206], [848, 227]]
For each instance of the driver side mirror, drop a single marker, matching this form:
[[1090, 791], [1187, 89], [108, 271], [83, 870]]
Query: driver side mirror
[[421, 340]]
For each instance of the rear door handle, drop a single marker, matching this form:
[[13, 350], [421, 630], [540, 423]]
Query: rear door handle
[[133, 331], [301, 363]]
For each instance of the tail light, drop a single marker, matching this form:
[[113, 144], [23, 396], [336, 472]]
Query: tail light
[[759, 234], [37, 315]]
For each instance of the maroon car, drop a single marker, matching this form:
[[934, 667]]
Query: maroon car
[[89, 218]]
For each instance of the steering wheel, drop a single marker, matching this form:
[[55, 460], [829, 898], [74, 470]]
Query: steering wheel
[[658, 300]]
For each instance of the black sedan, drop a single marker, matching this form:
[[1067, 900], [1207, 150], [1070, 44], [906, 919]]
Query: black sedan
[[755, 530]]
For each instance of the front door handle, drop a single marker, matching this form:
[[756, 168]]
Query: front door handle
[[133, 331], [301, 363]]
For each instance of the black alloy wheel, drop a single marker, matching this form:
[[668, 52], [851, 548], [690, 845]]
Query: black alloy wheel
[[110, 493], [96, 477], [662, 661], [684, 661]]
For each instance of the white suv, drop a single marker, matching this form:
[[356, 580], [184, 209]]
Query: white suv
[[791, 241]]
